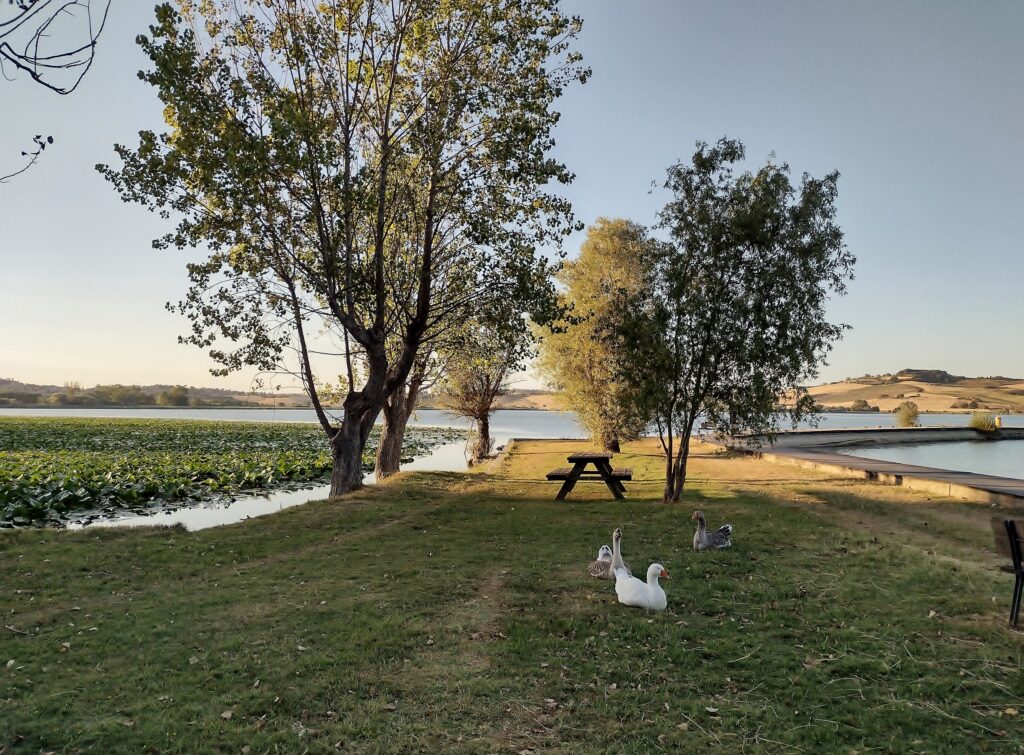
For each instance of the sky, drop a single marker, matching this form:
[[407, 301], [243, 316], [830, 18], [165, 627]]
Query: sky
[[917, 104]]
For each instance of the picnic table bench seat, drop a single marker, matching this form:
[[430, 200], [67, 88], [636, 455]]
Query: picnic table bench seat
[[563, 473]]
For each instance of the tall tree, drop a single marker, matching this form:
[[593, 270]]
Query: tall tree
[[732, 315], [573, 356], [53, 42], [478, 373], [342, 159]]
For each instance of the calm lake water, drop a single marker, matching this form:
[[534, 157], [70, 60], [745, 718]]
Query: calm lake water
[[1002, 458], [986, 458], [505, 424]]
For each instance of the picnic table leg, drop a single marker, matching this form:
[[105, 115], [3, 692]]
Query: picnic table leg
[[605, 468], [1018, 587], [570, 481], [616, 486]]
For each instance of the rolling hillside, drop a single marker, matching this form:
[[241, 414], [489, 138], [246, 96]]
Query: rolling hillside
[[931, 390]]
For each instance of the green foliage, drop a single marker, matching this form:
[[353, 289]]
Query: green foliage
[[176, 396], [907, 414], [732, 315], [52, 468], [477, 371], [984, 421], [376, 170], [574, 355]]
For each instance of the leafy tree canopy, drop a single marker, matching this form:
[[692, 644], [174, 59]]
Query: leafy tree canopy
[[370, 170], [573, 356], [732, 315]]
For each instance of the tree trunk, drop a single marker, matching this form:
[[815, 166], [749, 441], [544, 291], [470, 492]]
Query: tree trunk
[[483, 440], [610, 442], [678, 481], [397, 411], [389, 451], [347, 451], [349, 442]]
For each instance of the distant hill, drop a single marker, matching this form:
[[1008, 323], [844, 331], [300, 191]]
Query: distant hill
[[520, 399], [16, 393], [931, 390]]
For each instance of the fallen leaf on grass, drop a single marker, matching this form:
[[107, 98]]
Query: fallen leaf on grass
[[712, 711], [226, 715], [193, 660], [683, 727], [65, 647], [1010, 711], [391, 706]]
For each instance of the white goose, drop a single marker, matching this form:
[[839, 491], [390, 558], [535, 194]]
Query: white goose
[[633, 592]]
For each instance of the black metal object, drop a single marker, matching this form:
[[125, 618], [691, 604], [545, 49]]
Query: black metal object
[[1013, 535]]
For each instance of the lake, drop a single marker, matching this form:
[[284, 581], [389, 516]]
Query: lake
[[505, 425], [1001, 458]]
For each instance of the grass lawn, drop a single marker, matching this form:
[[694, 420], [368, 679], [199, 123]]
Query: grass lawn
[[452, 612]]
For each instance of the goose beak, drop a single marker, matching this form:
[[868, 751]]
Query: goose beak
[[664, 574]]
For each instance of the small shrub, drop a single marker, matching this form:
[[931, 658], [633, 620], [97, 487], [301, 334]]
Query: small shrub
[[860, 405], [984, 421], [907, 414]]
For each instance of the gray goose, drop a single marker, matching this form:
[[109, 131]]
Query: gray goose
[[705, 540], [605, 568]]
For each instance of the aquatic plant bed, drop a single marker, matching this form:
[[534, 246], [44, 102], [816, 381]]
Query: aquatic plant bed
[[56, 469]]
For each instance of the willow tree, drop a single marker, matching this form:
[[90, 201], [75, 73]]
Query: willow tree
[[481, 363], [731, 315], [340, 160], [574, 357]]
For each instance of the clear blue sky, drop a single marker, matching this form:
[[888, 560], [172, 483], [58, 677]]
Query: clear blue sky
[[917, 104]]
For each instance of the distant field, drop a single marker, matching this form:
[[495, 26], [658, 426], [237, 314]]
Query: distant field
[[992, 394]]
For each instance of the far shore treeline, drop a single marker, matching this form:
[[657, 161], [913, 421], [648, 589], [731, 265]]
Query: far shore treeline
[[14, 394]]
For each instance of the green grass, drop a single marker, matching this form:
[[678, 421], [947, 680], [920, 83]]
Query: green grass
[[51, 468], [448, 612]]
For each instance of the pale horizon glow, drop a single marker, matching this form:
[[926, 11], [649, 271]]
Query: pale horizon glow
[[917, 104]]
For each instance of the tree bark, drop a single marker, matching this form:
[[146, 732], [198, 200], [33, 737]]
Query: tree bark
[[674, 491], [347, 452], [389, 450], [349, 441], [610, 442], [397, 411], [483, 440]]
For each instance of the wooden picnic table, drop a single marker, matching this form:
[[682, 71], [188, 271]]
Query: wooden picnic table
[[601, 460]]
